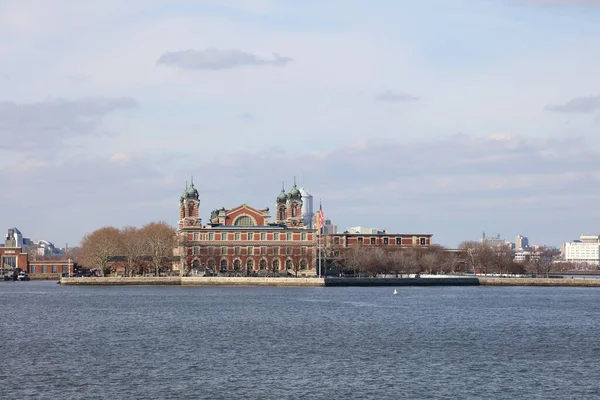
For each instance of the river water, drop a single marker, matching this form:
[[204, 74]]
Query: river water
[[298, 343]]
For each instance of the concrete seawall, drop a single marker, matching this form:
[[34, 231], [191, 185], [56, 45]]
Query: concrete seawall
[[328, 282], [107, 281], [575, 282], [401, 282], [242, 281]]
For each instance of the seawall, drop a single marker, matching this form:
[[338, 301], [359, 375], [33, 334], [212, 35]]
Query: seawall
[[124, 281], [328, 282], [575, 282]]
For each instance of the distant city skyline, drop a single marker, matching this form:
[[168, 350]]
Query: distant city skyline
[[448, 117]]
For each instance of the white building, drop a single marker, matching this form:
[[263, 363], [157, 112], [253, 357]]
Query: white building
[[307, 208], [366, 231], [585, 251]]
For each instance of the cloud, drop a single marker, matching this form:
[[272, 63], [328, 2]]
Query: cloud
[[216, 59], [583, 105], [389, 96], [46, 124], [120, 158]]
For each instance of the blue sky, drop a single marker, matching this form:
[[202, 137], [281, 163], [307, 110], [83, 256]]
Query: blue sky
[[442, 117]]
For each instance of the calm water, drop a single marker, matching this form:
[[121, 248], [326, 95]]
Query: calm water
[[298, 343]]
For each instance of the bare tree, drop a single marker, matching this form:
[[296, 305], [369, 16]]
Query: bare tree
[[132, 244], [98, 247], [159, 239], [502, 257]]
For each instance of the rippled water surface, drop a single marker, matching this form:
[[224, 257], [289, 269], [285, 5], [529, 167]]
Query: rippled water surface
[[292, 343]]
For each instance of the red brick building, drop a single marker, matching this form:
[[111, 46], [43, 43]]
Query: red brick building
[[12, 258], [244, 241], [385, 240]]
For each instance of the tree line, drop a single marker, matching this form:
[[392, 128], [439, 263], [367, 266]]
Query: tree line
[[139, 250], [469, 257]]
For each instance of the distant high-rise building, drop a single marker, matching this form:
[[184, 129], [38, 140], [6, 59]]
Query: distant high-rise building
[[329, 228], [521, 242], [307, 208], [493, 241], [14, 238]]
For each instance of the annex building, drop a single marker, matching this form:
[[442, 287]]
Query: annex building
[[246, 240]]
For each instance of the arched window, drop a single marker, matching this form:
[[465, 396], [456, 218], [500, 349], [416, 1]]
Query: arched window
[[281, 213], [263, 264], [275, 265], [294, 210], [303, 264], [236, 265], [211, 264], [223, 265], [289, 264], [244, 220], [249, 264], [196, 264]]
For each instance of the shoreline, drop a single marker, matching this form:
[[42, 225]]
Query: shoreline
[[328, 282]]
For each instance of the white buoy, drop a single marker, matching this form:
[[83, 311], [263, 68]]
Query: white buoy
[[395, 291]]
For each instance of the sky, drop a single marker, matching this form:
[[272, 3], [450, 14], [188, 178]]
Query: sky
[[446, 117]]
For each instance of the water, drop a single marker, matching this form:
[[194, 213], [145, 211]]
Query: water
[[298, 343]]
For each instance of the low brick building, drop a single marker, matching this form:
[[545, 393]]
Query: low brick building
[[12, 258]]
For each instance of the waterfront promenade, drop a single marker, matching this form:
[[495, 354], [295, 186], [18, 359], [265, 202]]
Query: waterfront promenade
[[328, 282]]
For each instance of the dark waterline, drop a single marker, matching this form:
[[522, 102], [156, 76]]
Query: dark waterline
[[289, 343]]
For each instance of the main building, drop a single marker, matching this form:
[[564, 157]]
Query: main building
[[243, 240]]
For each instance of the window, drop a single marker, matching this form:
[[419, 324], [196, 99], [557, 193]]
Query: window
[[263, 250], [336, 240], [289, 264], [236, 265], [303, 250], [33, 269], [276, 236], [303, 235], [223, 236], [196, 250], [211, 236], [373, 240], [289, 250], [423, 242], [244, 220], [263, 236], [281, 214], [303, 264], [250, 236], [237, 236], [44, 269], [224, 250], [289, 236], [237, 251], [275, 251], [9, 262], [196, 236], [263, 264], [55, 269], [360, 240], [211, 250], [386, 240], [223, 265], [250, 264], [398, 240], [275, 265], [294, 210], [65, 269], [211, 264], [250, 250]]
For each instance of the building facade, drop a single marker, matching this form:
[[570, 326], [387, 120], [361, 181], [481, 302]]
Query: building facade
[[585, 251], [11, 259], [244, 241]]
